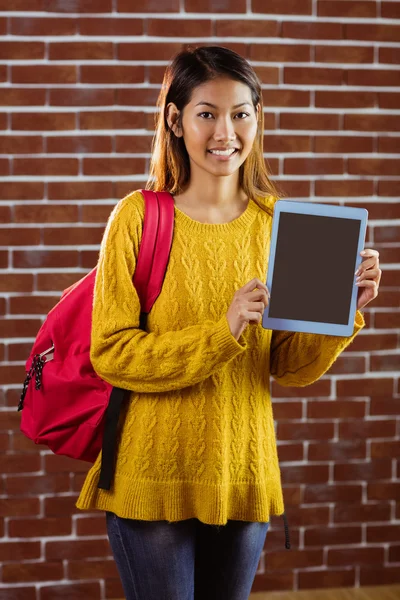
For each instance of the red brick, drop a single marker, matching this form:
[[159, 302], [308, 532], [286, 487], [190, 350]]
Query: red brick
[[280, 53], [21, 50], [228, 6], [273, 581], [16, 282], [367, 429], [312, 76], [18, 573], [388, 188], [389, 99], [332, 536], [91, 525], [137, 97], [326, 578], [343, 54], [15, 374], [371, 122], [44, 259], [4, 166], [373, 166], [134, 143], [111, 120], [385, 449], [74, 549], [113, 166], [79, 190], [390, 362], [365, 387], [387, 320], [112, 74], [389, 144], [45, 166], [96, 213], [282, 7], [333, 99], [19, 463], [267, 75], [343, 145], [152, 6], [306, 516], [377, 575], [344, 188], [113, 27], [305, 474], [333, 493], [383, 533], [41, 527], [73, 236], [43, 121], [80, 144], [305, 431], [296, 559], [84, 6], [19, 507], [13, 144], [21, 190], [326, 451], [394, 554], [285, 98], [43, 74], [90, 569], [289, 143], [180, 27], [310, 166], [89, 258], [390, 10], [5, 214], [244, 28], [320, 388], [152, 50], [389, 55], [309, 121], [81, 51], [348, 9], [46, 214], [383, 490], [355, 556], [375, 469], [3, 117], [81, 97], [346, 513], [67, 591], [19, 236], [60, 464], [56, 282], [336, 409], [25, 5], [18, 593], [311, 30], [372, 31], [374, 77], [290, 452], [41, 27], [60, 506], [19, 551], [38, 484]]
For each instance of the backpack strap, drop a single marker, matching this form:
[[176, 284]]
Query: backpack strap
[[148, 279]]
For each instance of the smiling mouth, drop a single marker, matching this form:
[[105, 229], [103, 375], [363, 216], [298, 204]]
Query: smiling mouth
[[229, 152]]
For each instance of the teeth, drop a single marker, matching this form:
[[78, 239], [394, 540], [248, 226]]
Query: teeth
[[223, 152]]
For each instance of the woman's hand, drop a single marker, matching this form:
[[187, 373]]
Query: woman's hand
[[247, 306], [369, 276]]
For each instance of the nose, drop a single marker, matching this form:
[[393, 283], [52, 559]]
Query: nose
[[224, 130]]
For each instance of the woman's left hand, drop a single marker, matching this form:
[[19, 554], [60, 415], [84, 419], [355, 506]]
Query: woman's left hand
[[369, 276]]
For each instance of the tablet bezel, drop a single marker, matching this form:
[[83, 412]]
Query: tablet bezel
[[326, 210]]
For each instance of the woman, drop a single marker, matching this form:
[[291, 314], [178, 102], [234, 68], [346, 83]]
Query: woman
[[197, 474]]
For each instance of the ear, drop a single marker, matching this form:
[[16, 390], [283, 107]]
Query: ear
[[258, 112], [172, 116]]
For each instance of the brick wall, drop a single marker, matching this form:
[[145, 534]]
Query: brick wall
[[79, 80]]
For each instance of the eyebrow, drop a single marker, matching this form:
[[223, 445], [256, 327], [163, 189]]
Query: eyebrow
[[213, 105]]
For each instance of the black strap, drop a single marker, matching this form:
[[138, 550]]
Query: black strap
[[287, 537], [110, 438]]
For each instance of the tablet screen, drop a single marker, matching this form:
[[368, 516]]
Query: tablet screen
[[314, 266]]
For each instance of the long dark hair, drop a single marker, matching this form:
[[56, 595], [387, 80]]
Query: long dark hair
[[170, 165]]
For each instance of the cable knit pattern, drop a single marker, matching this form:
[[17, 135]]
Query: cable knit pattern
[[197, 437]]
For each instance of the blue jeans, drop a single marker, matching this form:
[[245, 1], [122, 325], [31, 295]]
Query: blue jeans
[[186, 560]]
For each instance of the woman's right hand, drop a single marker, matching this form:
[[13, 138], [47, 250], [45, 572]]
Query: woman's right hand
[[247, 306]]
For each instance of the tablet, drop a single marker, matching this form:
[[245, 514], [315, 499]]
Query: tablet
[[314, 254]]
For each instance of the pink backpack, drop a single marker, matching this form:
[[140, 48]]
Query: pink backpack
[[65, 403]]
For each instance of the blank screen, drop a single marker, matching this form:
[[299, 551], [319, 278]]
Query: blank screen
[[314, 268]]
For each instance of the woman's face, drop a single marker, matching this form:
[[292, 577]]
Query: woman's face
[[220, 118]]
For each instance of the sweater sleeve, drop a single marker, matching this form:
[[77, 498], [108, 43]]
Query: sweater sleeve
[[123, 354], [299, 359]]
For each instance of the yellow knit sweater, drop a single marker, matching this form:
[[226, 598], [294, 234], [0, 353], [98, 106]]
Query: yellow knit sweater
[[197, 437]]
